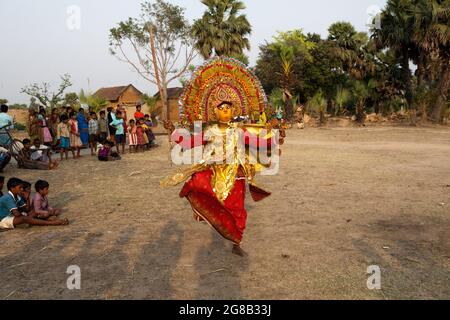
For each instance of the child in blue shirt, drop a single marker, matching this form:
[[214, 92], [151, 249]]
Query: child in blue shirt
[[120, 137], [14, 211]]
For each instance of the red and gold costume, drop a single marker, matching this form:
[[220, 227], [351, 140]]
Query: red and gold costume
[[216, 185]]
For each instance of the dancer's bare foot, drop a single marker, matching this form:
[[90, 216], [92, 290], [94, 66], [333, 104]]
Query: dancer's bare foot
[[198, 218], [237, 250]]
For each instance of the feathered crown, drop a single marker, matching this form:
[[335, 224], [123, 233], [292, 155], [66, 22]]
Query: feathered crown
[[220, 80]]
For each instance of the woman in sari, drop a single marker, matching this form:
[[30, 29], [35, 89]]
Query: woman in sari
[[83, 127]]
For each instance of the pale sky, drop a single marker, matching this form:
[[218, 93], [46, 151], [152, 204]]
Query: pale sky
[[36, 44]]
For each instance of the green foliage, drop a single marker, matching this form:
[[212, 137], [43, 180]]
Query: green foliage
[[242, 58], [18, 106], [19, 127], [284, 62], [341, 99], [317, 104], [3, 101], [151, 102], [71, 99], [222, 30], [96, 102]]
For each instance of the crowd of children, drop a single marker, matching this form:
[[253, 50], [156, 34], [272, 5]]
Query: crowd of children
[[69, 131], [19, 207]]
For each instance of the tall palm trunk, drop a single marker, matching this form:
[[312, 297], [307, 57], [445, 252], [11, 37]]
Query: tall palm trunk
[[407, 78], [443, 88]]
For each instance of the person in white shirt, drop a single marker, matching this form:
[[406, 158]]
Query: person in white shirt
[[40, 152]]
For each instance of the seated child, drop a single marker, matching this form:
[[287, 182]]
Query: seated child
[[2, 183], [33, 157], [11, 216], [25, 201], [5, 158], [105, 152], [41, 206]]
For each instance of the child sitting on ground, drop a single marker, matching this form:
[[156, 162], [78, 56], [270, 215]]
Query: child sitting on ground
[[42, 153], [25, 202], [27, 163], [106, 154], [10, 216], [2, 182], [41, 206]]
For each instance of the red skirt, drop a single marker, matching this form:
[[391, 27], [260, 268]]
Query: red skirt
[[229, 218]]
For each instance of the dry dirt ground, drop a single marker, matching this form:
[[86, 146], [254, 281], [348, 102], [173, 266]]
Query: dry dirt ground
[[344, 199]]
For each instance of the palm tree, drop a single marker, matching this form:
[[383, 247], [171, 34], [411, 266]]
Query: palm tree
[[222, 30], [341, 98], [347, 47], [432, 35], [397, 26], [360, 93], [287, 62], [318, 104]]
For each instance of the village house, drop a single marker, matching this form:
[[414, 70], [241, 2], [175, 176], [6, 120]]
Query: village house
[[128, 96]]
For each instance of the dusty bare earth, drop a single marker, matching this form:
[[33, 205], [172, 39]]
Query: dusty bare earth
[[345, 199]]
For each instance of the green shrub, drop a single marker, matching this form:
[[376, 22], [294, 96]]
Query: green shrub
[[20, 127]]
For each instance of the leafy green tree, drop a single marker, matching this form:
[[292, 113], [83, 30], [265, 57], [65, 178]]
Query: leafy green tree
[[283, 63], [3, 101], [97, 103], [222, 30], [158, 45], [42, 92], [71, 99]]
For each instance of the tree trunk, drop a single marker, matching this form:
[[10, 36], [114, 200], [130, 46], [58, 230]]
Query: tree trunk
[[161, 88], [424, 113], [421, 70], [165, 103], [408, 88], [407, 80], [443, 88]]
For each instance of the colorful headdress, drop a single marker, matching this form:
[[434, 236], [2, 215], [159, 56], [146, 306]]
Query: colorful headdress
[[221, 80]]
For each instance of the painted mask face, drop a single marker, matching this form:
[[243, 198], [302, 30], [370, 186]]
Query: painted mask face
[[224, 112]]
